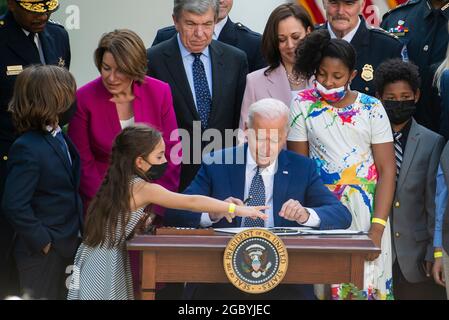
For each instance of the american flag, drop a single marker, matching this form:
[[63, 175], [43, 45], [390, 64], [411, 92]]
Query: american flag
[[373, 10]]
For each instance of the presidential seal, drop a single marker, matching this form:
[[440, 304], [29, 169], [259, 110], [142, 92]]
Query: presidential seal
[[255, 261]]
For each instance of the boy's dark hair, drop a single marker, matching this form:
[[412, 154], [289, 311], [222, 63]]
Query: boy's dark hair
[[318, 45], [393, 70]]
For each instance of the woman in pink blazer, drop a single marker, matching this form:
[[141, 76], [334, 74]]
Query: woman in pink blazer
[[286, 26], [121, 96]]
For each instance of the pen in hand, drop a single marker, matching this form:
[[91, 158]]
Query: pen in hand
[[247, 200]]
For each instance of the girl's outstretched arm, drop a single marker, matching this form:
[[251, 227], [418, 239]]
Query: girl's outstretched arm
[[149, 193]]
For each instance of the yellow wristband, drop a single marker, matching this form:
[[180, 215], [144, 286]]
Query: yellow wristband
[[232, 207], [438, 254], [379, 221]]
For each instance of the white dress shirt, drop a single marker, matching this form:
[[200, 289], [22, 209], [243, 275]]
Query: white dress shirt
[[188, 58], [219, 27], [37, 41], [54, 132], [267, 174], [348, 37]]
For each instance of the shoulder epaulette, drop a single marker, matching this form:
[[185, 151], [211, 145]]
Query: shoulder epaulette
[[56, 23], [383, 32], [241, 26]]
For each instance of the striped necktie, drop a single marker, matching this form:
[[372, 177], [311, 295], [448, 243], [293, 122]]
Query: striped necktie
[[398, 152]]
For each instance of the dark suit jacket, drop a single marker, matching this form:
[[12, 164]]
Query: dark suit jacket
[[41, 198], [413, 210], [373, 46], [229, 69], [296, 178], [17, 50], [234, 34]]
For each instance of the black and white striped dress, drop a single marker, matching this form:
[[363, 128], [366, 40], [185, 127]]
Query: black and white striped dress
[[101, 273]]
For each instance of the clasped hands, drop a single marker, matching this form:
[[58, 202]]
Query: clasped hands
[[291, 210]]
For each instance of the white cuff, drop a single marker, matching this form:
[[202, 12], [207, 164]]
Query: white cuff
[[314, 220], [205, 222]]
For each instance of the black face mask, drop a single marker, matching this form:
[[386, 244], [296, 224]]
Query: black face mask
[[65, 117], [399, 111], [156, 171]]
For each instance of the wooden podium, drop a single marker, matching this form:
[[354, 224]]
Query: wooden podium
[[187, 258]]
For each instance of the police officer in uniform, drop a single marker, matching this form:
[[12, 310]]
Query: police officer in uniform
[[26, 37], [373, 45], [422, 25], [234, 34]]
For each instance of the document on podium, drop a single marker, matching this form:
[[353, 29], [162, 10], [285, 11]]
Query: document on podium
[[296, 231]]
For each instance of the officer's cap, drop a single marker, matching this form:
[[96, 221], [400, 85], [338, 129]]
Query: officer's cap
[[39, 6]]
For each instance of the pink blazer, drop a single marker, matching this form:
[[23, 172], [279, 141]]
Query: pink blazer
[[259, 86], [96, 124]]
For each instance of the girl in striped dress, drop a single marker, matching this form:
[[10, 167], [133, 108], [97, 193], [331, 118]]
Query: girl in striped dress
[[101, 269]]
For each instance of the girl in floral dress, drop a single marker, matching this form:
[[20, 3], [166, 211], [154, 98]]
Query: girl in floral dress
[[349, 136]]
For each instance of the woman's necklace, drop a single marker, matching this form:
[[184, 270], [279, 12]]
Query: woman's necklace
[[295, 80]]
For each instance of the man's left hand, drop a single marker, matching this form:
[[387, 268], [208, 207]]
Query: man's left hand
[[292, 210]]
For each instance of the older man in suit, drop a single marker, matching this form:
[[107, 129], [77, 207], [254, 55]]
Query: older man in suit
[[263, 172], [207, 79], [417, 152], [226, 31]]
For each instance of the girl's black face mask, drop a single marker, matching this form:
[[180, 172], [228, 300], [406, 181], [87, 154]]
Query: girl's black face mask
[[399, 111], [156, 171]]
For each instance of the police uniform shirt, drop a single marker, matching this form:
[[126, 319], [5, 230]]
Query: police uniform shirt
[[424, 30], [373, 46], [17, 52], [38, 45]]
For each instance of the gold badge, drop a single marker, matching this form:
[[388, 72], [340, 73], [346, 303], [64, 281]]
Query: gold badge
[[61, 62], [255, 261], [14, 70], [367, 72]]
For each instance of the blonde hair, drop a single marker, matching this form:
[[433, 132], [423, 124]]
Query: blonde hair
[[443, 66], [128, 50], [41, 94]]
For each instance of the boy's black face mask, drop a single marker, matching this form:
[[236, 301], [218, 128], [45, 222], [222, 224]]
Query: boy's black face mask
[[399, 111]]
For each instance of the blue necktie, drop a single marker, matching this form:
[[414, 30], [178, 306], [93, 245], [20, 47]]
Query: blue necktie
[[202, 93], [63, 145], [257, 198]]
